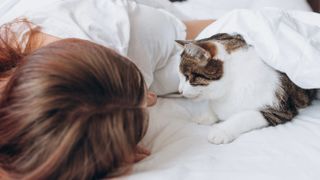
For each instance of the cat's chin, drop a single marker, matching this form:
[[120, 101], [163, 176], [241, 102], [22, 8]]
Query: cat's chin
[[191, 96], [198, 97]]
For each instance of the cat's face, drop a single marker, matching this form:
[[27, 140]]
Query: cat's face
[[202, 63], [198, 68]]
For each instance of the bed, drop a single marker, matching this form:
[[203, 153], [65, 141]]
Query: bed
[[180, 149]]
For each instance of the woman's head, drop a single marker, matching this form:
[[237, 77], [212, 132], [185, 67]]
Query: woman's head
[[71, 110]]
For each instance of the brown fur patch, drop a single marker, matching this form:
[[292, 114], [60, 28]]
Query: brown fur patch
[[199, 74], [291, 97], [230, 42]]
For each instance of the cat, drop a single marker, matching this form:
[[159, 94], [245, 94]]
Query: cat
[[244, 92]]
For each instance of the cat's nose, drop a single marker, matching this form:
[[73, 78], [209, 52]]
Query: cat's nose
[[180, 89]]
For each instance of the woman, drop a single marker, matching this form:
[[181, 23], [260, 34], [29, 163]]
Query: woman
[[70, 108]]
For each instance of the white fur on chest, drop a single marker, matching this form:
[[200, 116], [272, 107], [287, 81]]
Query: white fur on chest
[[247, 84]]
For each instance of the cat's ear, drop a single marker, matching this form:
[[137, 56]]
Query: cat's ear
[[183, 42], [210, 47]]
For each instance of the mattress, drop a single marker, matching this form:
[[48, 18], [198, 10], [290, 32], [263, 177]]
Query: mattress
[[180, 149]]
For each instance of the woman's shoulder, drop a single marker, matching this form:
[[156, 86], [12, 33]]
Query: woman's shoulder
[[103, 22]]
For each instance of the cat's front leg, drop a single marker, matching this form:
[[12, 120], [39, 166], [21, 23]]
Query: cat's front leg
[[228, 130]]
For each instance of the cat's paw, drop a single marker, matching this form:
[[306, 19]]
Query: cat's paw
[[205, 119], [219, 135]]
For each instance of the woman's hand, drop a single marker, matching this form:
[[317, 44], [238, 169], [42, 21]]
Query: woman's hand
[[141, 153]]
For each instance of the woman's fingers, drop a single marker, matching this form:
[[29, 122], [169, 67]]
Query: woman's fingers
[[142, 150], [151, 99], [141, 153], [139, 157]]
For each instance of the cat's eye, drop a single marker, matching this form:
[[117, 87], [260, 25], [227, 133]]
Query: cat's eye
[[200, 76], [187, 77]]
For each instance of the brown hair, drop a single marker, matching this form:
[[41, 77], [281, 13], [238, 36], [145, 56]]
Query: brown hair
[[70, 110]]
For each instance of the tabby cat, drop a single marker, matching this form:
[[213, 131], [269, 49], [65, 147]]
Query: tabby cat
[[244, 92]]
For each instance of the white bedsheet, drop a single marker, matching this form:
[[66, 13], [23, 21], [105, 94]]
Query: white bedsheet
[[180, 149]]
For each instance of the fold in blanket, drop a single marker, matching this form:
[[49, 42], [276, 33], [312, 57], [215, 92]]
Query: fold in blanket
[[288, 41]]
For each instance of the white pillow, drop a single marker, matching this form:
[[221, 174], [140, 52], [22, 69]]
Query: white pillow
[[152, 46]]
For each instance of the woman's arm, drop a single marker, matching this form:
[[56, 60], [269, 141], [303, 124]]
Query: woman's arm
[[194, 27]]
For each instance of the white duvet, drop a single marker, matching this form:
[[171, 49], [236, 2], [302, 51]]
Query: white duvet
[[286, 40]]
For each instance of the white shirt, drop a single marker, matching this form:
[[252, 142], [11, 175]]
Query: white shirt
[[143, 33]]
